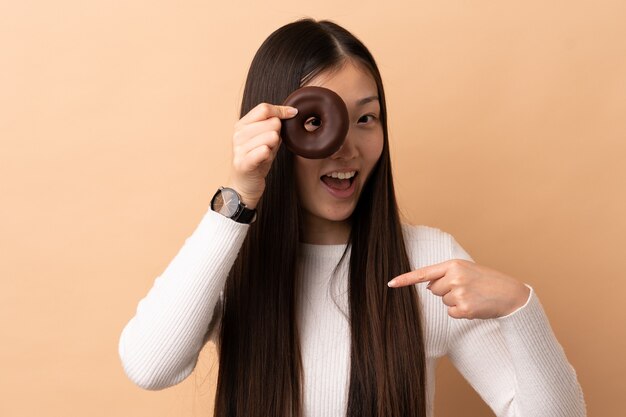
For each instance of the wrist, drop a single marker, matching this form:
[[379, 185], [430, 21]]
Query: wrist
[[521, 299]]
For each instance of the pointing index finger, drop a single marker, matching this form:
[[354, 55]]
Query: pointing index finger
[[427, 273]]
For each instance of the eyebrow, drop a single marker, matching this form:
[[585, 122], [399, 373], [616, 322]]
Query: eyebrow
[[366, 100]]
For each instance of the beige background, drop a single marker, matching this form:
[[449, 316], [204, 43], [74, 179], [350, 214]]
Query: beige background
[[507, 130]]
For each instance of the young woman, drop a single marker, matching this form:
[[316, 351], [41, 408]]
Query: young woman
[[295, 291]]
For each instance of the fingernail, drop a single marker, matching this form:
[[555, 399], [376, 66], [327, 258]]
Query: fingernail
[[292, 111], [391, 283]]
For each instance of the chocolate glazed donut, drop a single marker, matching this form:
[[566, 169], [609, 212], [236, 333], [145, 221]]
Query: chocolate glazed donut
[[325, 105]]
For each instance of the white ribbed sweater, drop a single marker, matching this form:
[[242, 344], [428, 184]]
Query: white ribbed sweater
[[514, 363]]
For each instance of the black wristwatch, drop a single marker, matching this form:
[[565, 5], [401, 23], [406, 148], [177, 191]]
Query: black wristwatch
[[227, 201]]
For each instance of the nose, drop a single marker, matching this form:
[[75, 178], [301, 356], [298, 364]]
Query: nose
[[348, 149]]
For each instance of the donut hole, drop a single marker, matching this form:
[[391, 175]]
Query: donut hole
[[312, 123]]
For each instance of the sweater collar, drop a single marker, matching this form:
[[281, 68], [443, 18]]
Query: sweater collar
[[321, 251]]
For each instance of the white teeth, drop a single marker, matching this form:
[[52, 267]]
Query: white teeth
[[342, 175]]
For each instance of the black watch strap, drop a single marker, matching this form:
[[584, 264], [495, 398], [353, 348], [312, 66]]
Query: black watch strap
[[246, 215]]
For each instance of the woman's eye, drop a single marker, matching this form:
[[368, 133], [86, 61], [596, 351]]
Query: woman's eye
[[312, 124], [367, 115]]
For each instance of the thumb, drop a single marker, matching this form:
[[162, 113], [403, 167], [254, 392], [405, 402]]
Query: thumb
[[286, 112]]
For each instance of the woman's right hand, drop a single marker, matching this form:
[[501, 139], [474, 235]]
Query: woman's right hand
[[255, 143]]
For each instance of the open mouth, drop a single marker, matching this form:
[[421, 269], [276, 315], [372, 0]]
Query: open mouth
[[338, 183]]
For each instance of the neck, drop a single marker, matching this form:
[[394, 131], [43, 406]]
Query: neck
[[318, 231]]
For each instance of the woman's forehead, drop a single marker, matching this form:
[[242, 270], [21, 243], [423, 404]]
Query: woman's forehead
[[355, 85]]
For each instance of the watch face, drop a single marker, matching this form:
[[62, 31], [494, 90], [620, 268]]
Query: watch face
[[226, 202]]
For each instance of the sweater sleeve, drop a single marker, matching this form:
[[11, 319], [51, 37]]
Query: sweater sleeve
[[159, 346], [515, 362]]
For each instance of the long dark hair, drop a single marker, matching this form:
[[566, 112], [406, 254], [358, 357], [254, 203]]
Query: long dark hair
[[260, 368]]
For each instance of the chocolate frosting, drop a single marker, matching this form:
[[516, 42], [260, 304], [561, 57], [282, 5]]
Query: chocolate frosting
[[321, 103]]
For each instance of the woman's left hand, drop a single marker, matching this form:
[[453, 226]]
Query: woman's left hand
[[470, 291]]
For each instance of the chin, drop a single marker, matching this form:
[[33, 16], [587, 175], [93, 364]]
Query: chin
[[339, 216]]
